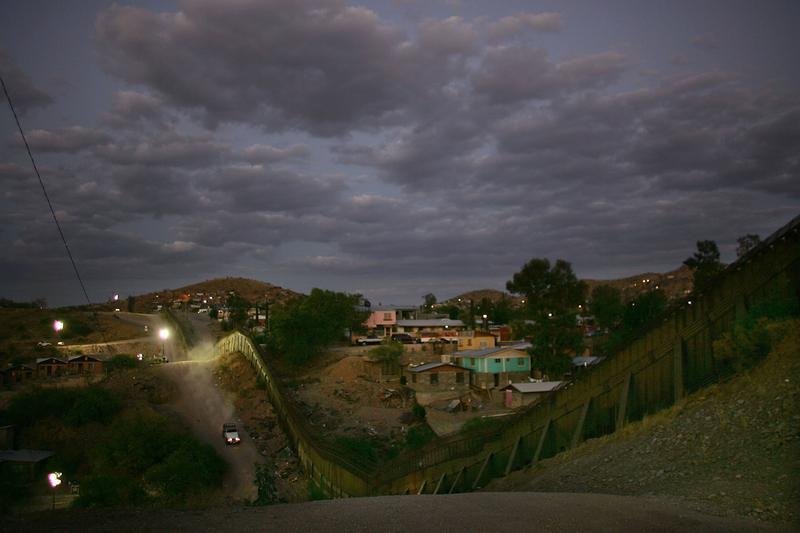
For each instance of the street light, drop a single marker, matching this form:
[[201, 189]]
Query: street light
[[163, 334], [485, 327], [58, 325], [54, 478]]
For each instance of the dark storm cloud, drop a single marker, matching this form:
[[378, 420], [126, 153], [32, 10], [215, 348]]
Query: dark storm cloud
[[510, 74], [319, 65], [130, 109], [512, 26], [168, 149], [266, 154], [72, 139], [24, 94]]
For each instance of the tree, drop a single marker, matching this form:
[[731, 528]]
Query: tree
[[644, 309], [705, 265], [304, 327], [430, 301], [746, 243], [552, 296], [606, 306], [237, 308]]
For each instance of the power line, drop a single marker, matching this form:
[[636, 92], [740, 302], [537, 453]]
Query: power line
[[50, 205], [44, 191]]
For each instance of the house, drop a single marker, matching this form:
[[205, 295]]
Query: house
[[527, 392], [438, 377], [445, 327], [379, 370], [50, 367], [17, 372], [383, 319], [476, 340], [84, 364], [493, 367]]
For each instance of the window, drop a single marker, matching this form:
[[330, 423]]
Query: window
[[498, 360], [520, 361], [472, 361], [387, 316], [459, 377], [434, 378], [469, 342], [413, 378]]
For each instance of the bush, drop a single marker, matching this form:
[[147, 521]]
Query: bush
[[418, 411], [358, 448], [265, 482], [93, 405], [481, 424], [119, 362], [418, 436], [74, 406]]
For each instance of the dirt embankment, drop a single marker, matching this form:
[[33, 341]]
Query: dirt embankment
[[732, 449]]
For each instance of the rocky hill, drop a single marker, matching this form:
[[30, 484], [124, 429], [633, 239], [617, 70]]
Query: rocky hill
[[218, 289], [731, 449], [675, 283]]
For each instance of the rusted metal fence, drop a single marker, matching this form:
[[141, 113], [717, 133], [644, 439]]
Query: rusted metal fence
[[672, 359]]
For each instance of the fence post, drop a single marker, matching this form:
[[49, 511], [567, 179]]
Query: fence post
[[622, 405], [542, 438], [511, 457], [677, 370], [455, 482], [481, 471], [577, 436]]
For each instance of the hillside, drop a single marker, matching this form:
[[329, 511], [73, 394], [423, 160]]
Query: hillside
[[730, 449], [675, 283], [219, 288]]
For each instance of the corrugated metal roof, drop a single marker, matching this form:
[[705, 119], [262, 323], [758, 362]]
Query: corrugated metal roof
[[56, 359], [540, 386], [430, 366], [24, 456], [431, 322], [486, 352]]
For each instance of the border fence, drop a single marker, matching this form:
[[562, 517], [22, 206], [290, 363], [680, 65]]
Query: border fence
[[655, 371]]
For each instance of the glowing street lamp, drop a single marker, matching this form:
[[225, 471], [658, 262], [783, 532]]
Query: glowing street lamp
[[485, 327], [163, 334], [54, 478], [58, 325]]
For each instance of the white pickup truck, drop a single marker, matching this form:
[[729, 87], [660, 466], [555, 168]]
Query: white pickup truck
[[230, 434]]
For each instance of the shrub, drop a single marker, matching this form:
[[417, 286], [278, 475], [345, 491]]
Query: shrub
[[265, 482], [92, 405], [418, 436], [418, 411], [358, 448], [119, 362], [480, 423]]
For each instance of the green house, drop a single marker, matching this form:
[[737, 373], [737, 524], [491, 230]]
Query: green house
[[495, 367]]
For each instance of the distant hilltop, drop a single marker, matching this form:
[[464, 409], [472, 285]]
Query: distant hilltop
[[215, 290], [675, 283]]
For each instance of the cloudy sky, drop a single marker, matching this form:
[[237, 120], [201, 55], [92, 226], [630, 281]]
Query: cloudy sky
[[389, 148]]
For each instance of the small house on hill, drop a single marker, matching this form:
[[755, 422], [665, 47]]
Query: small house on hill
[[476, 340], [16, 373], [85, 364], [50, 367], [526, 393], [496, 367], [437, 377]]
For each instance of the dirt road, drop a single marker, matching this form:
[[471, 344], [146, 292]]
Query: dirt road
[[204, 409]]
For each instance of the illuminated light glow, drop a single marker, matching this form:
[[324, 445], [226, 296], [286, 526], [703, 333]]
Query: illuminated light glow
[[163, 334], [54, 478], [58, 325]]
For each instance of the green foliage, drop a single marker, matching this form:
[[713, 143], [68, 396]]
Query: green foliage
[[746, 243], [705, 265], [265, 483], [481, 424], [552, 365], [145, 455], [237, 307], [429, 301], [552, 298], [453, 311], [390, 351], [418, 436], [120, 362], [357, 448], [302, 329], [638, 315], [74, 406], [606, 306], [418, 411], [751, 338]]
